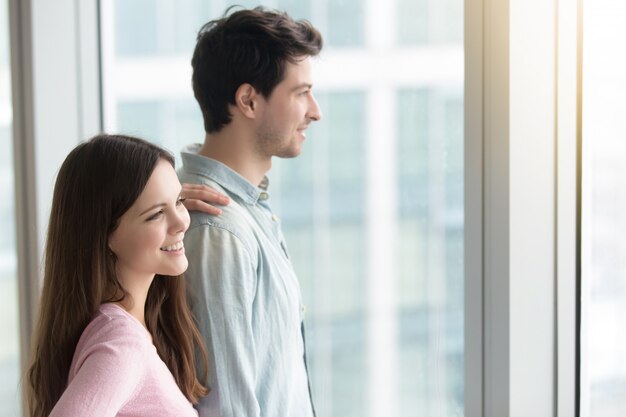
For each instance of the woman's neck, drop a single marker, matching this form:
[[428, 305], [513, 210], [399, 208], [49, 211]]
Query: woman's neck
[[136, 295]]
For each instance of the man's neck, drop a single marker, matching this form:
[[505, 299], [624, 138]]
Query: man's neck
[[236, 151]]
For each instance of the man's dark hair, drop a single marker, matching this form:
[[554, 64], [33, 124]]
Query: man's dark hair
[[248, 46]]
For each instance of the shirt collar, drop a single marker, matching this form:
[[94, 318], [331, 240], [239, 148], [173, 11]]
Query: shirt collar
[[228, 179]]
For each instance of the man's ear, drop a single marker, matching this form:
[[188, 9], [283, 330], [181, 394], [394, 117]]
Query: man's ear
[[246, 100]]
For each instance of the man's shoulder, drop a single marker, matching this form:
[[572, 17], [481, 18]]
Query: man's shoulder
[[191, 176], [234, 220], [234, 215]]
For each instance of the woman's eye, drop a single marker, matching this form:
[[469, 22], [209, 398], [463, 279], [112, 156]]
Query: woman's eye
[[155, 215], [180, 201]]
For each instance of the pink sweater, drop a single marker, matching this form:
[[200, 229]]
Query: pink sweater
[[116, 371]]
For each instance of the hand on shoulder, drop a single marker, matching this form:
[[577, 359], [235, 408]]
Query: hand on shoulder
[[201, 197]]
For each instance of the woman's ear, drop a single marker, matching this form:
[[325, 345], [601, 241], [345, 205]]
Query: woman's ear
[[246, 100], [111, 243]]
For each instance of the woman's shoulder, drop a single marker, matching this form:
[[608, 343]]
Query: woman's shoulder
[[113, 312], [115, 332], [112, 320], [110, 365]]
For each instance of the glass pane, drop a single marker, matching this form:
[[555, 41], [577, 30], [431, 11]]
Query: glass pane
[[430, 275], [378, 187], [9, 343], [603, 301], [345, 22], [165, 27], [322, 199], [422, 22]]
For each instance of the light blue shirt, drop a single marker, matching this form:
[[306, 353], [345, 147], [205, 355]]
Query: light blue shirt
[[246, 298]]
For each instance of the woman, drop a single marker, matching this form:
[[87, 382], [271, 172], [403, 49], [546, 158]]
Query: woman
[[115, 335]]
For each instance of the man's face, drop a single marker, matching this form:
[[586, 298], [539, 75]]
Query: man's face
[[286, 114]]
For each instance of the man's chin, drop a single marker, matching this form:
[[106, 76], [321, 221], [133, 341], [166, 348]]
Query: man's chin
[[290, 153]]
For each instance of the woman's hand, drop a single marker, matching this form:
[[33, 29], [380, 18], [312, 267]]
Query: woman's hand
[[201, 197]]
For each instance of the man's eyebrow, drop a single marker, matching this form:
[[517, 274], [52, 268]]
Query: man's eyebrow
[[301, 86]]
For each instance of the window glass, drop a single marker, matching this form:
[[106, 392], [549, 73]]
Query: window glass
[[345, 22], [413, 21], [430, 259], [300, 9], [168, 122], [157, 27], [9, 343], [328, 249], [387, 157], [603, 295], [422, 22]]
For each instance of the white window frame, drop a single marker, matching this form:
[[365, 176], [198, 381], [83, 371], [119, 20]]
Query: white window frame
[[522, 111], [56, 104], [522, 132]]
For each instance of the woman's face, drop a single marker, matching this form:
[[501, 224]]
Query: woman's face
[[149, 238]]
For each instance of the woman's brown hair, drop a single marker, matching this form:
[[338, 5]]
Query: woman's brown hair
[[97, 183]]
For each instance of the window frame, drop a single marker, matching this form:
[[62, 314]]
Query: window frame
[[506, 259], [59, 41]]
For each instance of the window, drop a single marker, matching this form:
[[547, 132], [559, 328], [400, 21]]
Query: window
[[603, 299], [373, 208], [430, 242], [427, 22], [9, 343]]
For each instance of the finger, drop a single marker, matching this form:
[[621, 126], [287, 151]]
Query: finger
[[205, 193], [212, 198], [199, 187], [198, 205]]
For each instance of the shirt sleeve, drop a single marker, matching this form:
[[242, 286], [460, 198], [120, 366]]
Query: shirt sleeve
[[109, 372], [222, 279]]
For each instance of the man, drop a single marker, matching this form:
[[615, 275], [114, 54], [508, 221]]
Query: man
[[252, 80]]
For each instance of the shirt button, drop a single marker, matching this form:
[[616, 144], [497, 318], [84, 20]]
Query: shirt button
[[274, 217], [264, 196]]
